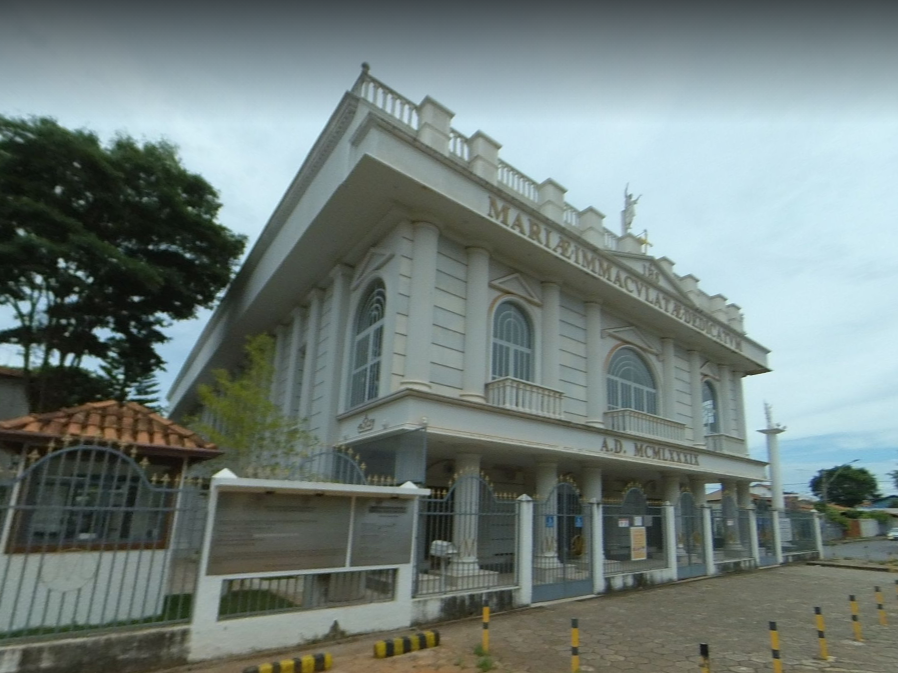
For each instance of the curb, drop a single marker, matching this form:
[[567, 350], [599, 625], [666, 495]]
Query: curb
[[309, 663], [852, 566], [403, 645]]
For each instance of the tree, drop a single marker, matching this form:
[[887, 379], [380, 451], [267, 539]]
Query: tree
[[240, 417], [844, 485], [101, 248]]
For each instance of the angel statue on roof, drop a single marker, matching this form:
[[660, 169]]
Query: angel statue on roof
[[629, 211]]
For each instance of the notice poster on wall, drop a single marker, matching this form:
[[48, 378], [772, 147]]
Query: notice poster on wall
[[382, 531], [263, 532], [638, 551]]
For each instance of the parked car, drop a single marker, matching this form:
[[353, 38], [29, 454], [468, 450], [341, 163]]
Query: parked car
[[892, 534]]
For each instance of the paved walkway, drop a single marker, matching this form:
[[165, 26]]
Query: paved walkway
[[659, 629]]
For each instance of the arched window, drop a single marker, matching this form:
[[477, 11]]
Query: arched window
[[630, 383], [709, 409], [512, 343], [367, 345]]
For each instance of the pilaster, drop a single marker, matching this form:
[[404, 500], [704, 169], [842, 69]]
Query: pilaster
[[695, 387], [288, 408], [477, 279], [724, 400], [551, 313], [336, 338], [668, 364], [595, 374], [309, 366], [420, 309]]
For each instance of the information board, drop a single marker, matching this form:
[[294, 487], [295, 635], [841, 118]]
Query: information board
[[263, 532], [638, 551], [382, 531]]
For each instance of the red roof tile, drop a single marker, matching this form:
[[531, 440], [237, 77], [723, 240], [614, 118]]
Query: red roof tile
[[128, 423]]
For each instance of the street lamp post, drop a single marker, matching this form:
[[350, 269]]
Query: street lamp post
[[826, 482]]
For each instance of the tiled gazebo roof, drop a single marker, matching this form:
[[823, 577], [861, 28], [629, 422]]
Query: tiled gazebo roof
[[127, 423]]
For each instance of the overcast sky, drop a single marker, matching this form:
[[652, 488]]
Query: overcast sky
[[764, 143]]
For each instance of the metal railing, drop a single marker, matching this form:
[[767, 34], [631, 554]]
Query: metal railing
[[732, 534], [734, 446], [467, 539], [797, 532], [93, 539], [633, 537], [648, 425], [511, 393], [291, 593]]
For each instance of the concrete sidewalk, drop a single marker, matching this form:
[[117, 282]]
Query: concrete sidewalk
[[659, 629]]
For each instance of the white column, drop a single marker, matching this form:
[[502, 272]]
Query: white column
[[739, 421], [310, 365], [595, 374], [729, 509], [547, 510], [292, 363], [420, 309], [668, 364], [551, 348], [776, 474], [754, 546], [598, 545], [695, 380], [476, 324], [592, 483], [525, 550], [333, 363], [466, 509], [724, 398], [670, 495], [775, 515], [698, 492]]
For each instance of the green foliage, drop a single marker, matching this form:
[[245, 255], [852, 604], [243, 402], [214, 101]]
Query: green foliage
[[844, 485], [894, 475], [258, 440], [882, 517], [485, 664], [101, 247]]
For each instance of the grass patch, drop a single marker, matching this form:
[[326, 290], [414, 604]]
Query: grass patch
[[485, 664]]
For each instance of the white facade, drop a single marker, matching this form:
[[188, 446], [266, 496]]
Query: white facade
[[527, 339]]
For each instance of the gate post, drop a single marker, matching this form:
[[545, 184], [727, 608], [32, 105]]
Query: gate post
[[525, 550], [818, 536], [777, 535], [753, 535], [708, 539], [670, 539], [597, 553]]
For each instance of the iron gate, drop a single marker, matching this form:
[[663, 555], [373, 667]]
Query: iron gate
[[690, 538], [766, 540], [561, 545]]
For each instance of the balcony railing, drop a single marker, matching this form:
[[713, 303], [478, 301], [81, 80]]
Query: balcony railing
[[648, 425], [530, 398], [734, 446]]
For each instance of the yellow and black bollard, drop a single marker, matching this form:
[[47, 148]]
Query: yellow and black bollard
[[705, 656], [855, 621], [775, 648], [485, 637], [575, 646], [821, 634], [883, 618]]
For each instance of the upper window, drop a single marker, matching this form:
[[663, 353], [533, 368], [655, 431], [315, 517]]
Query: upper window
[[367, 345], [630, 383], [709, 409], [512, 343]]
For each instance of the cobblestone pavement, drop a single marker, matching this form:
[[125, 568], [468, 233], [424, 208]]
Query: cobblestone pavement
[[659, 629]]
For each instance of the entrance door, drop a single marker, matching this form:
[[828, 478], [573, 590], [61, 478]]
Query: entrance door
[[561, 546], [690, 539]]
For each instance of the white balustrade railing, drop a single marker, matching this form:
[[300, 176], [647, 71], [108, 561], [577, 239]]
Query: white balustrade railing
[[640, 423], [733, 446], [458, 145], [511, 177], [530, 398], [384, 98], [571, 215], [611, 240]]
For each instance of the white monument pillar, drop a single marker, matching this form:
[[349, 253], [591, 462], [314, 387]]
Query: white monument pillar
[[595, 374], [420, 306], [695, 387], [546, 510], [668, 364], [477, 329], [773, 457], [551, 313], [466, 510]]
